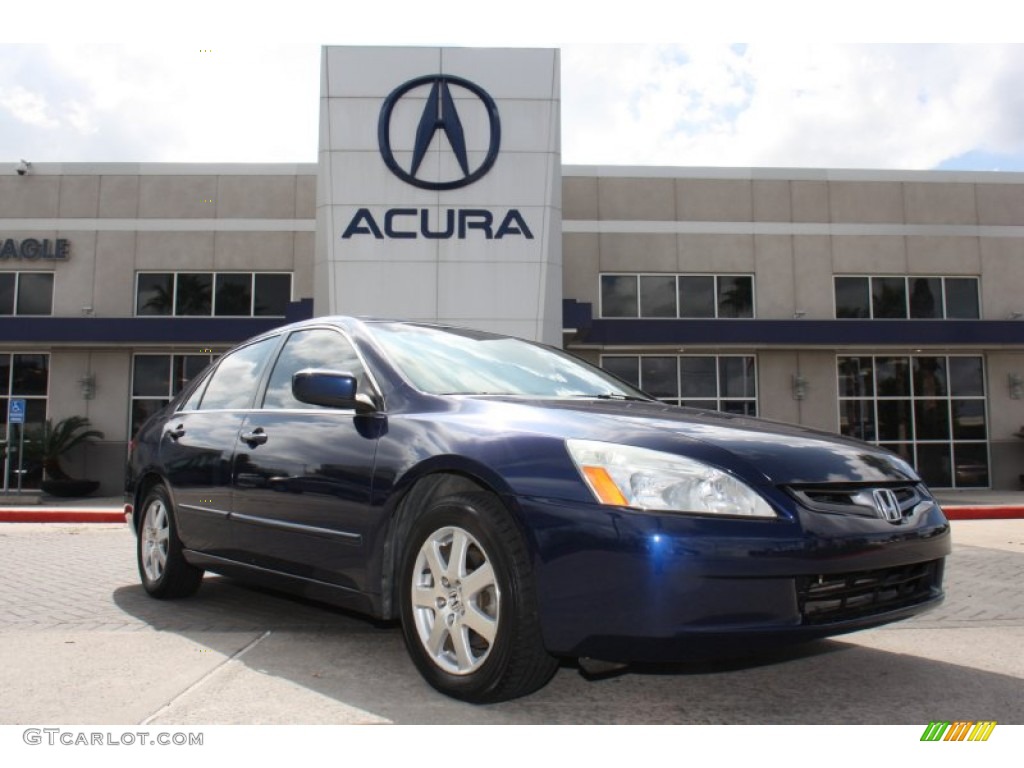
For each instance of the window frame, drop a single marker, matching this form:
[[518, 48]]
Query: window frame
[[913, 397], [6, 395], [677, 276], [16, 295], [252, 274], [719, 397], [907, 294]]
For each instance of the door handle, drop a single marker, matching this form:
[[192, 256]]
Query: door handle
[[254, 438], [177, 432]]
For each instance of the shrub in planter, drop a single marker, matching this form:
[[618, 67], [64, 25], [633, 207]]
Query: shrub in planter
[[48, 442]]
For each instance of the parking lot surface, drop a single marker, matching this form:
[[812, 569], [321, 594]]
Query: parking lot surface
[[84, 644]]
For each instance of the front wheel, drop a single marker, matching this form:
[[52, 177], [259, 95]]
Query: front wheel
[[162, 567], [468, 602]]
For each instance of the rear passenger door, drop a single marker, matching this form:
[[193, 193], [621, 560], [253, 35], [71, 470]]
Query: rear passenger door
[[199, 441], [303, 473]]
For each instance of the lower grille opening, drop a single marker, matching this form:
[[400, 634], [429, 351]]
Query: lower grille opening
[[840, 597]]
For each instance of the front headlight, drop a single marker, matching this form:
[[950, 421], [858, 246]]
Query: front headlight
[[625, 476]]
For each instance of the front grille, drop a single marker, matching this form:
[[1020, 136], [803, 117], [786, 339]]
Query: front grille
[[828, 598], [861, 500]]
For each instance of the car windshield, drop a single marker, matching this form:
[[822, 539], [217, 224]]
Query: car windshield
[[458, 361]]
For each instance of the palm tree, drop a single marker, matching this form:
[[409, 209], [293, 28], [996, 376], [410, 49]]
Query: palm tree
[[738, 299]]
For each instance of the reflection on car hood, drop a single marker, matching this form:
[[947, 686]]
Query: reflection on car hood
[[772, 452]]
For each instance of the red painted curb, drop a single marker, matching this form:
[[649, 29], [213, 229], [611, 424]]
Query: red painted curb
[[984, 513], [60, 516]]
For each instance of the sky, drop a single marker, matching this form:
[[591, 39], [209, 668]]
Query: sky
[[643, 82]]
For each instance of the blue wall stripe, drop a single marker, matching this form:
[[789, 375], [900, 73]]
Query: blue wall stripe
[[201, 331], [789, 333]]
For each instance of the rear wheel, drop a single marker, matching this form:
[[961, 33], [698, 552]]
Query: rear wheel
[[162, 566], [469, 608]]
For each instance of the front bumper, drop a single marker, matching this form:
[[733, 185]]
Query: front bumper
[[632, 586]]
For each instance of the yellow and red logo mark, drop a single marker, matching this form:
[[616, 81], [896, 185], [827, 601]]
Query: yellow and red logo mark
[[959, 730]]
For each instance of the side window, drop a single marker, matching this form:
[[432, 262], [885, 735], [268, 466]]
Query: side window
[[159, 378], [315, 348], [192, 404], [234, 383]]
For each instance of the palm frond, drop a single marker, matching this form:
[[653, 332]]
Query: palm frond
[[47, 442]]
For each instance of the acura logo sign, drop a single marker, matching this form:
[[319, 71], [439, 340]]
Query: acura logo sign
[[440, 115]]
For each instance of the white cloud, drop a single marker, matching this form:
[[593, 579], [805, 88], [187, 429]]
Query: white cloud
[[81, 118], [171, 103], [27, 107], [765, 104], [868, 106], [790, 105]]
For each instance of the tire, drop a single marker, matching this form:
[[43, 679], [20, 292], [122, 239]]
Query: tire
[[468, 602], [162, 567]]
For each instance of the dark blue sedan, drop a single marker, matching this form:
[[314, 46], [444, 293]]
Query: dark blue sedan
[[511, 504]]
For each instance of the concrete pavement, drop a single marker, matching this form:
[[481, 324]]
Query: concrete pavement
[[85, 644]]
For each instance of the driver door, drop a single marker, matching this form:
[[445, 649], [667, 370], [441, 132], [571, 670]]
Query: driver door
[[303, 474]]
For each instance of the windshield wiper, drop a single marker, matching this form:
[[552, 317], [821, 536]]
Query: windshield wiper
[[618, 396], [478, 394], [614, 396]]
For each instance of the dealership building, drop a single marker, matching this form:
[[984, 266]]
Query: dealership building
[[883, 305]]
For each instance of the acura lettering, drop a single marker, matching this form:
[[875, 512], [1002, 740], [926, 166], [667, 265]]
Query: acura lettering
[[459, 223]]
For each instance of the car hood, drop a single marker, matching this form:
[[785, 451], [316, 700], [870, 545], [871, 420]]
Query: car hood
[[758, 450]]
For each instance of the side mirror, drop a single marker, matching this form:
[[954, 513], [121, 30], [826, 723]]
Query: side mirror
[[331, 389]]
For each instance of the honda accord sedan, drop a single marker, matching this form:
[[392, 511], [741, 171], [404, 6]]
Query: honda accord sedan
[[512, 505]]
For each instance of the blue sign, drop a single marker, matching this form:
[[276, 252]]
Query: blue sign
[[16, 412]]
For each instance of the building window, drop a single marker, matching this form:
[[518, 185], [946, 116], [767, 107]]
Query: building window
[[914, 297], [677, 296], [157, 378], [23, 376], [930, 409], [222, 294], [715, 382], [26, 293]]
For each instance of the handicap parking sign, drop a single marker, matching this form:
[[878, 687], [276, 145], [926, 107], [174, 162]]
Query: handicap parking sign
[[16, 412]]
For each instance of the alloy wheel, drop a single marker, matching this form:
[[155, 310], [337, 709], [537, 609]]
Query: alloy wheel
[[455, 600], [155, 540]]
